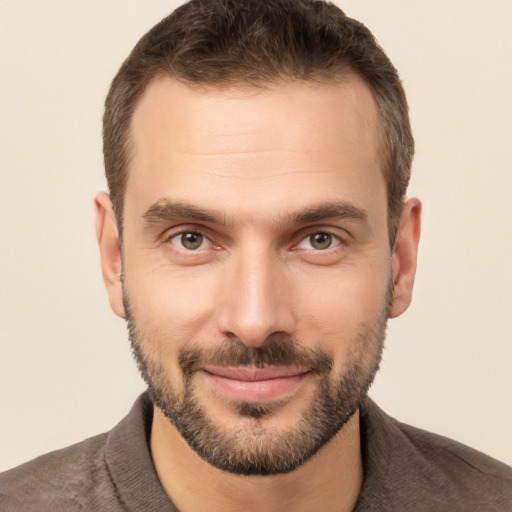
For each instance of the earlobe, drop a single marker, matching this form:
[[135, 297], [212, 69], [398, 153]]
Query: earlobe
[[109, 244], [404, 258]]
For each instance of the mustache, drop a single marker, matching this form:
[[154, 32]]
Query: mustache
[[276, 350]]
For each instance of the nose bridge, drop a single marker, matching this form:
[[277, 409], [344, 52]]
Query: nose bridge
[[254, 305]]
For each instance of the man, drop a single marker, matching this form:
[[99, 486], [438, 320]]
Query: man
[[256, 239]]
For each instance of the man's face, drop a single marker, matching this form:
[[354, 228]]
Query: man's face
[[257, 268]]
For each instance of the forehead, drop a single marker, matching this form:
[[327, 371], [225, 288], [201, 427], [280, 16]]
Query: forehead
[[254, 145]]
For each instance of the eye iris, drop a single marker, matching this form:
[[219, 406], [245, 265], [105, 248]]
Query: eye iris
[[321, 240], [191, 240]]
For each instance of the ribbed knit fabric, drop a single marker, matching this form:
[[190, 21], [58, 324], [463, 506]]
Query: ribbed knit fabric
[[112, 472]]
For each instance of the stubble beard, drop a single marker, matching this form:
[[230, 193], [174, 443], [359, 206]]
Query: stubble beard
[[253, 448]]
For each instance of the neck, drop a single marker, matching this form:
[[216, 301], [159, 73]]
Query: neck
[[330, 480]]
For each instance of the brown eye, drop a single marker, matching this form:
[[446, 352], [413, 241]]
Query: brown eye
[[190, 241], [320, 241]]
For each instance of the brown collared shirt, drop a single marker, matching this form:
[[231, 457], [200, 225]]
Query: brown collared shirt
[[405, 469]]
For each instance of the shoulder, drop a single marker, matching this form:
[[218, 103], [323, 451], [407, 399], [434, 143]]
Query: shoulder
[[460, 468], [105, 472], [452, 457], [420, 470], [60, 480]]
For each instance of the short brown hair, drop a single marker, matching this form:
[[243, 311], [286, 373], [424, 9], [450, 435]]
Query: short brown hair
[[226, 42]]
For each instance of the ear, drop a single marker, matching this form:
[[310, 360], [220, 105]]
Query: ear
[[404, 257], [110, 251]]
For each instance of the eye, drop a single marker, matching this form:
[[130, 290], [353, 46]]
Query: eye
[[319, 241], [190, 241]]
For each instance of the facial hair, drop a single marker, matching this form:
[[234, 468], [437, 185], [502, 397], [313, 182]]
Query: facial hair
[[253, 448]]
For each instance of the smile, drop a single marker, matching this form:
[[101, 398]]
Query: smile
[[255, 384]]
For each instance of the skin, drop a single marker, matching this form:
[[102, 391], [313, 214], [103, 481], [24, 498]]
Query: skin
[[257, 158]]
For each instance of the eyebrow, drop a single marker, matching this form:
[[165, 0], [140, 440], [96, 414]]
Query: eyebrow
[[331, 210], [166, 210]]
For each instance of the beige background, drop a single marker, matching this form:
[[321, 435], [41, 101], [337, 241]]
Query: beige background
[[65, 367]]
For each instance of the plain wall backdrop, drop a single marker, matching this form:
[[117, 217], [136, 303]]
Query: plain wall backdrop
[[66, 371]]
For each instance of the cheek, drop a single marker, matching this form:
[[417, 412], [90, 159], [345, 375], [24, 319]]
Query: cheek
[[342, 305], [172, 305]]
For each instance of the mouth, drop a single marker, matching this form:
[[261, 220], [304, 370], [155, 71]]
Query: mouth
[[251, 384]]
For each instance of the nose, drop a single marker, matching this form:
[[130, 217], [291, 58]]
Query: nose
[[256, 301]]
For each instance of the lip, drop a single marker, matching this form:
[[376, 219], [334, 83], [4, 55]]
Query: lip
[[255, 384]]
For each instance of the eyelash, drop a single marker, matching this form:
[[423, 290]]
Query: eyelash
[[303, 237], [172, 235], [335, 237]]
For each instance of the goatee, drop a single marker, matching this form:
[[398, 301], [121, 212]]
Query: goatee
[[253, 448]]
